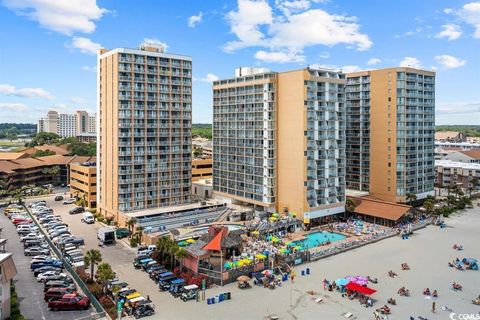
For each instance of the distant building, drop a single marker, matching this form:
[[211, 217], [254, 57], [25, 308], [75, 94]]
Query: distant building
[[83, 182], [450, 173], [465, 156], [207, 150], [450, 136], [461, 145], [473, 140], [202, 189], [202, 169], [7, 272], [68, 125]]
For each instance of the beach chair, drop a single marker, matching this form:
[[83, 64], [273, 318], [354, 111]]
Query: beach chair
[[348, 315]]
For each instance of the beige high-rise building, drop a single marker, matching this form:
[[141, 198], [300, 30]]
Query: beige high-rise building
[[390, 132], [80, 123], [144, 144], [279, 141]]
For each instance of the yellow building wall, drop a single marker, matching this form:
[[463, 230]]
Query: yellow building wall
[[83, 183], [205, 172], [291, 142]]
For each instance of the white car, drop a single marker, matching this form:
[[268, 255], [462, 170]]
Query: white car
[[32, 236], [69, 201], [62, 236], [42, 276], [40, 258]]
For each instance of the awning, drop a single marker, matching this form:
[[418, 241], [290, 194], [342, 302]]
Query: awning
[[381, 209], [215, 244], [360, 289]]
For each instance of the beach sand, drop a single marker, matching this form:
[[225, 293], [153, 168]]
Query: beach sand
[[427, 252]]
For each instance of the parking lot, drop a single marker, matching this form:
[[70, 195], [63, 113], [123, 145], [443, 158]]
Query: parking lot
[[30, 292]]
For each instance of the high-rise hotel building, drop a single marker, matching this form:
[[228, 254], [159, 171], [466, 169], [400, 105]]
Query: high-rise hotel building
[[279, 140], [144, 143], [390, 132]]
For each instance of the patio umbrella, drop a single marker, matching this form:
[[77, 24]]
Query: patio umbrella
[[190, 241], [293, 214], [255, 232], [284, 250], [341, 282], [269, 237], [298, 247], [275, 239], [182, 243], [272, 219], [243, 278], [227, 265], [291, 244], [260, 256], [276, 215], [267, 272]]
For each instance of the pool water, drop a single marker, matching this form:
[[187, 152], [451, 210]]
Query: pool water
[[317, 238]]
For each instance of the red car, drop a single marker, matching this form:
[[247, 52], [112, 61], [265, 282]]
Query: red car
[[21, 220], [57, 293], [72, 301]]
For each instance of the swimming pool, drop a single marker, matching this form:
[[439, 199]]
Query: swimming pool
[[317, 238]]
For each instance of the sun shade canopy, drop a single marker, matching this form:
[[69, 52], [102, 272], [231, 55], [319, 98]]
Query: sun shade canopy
[[360, 289], [215, 244]]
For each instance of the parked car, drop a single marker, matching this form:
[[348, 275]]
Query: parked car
[[58, 198], [58, 284], [19, 220], [38, 271], [59, 277], [42, 276], [57, 293], [72, 301], [122, 233], [76, 210], [32, 236], [54, 263], [69, 201], [35, 243], [88, 217]]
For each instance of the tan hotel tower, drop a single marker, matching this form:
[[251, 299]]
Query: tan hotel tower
[[279, 140], [144, 138], [390, 132]]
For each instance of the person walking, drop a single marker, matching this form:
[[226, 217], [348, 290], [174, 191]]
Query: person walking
[[433, 307]]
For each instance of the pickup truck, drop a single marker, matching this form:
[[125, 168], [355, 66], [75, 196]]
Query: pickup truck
[[72, 301]]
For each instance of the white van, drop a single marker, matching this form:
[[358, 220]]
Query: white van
[[88, 217]]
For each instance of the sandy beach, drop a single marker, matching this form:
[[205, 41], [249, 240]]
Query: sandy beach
[[427, 252]]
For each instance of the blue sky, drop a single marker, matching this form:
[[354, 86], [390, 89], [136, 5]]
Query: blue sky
[[47, 48]]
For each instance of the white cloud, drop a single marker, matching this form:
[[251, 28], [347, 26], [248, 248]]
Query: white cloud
[[293, 27], [450, 62], [373, 61], [85, 45], [245, 23], [79, 100], [349, 69], [409, 33], [12, 106], [458, 107], [194, 20], [89, 68], [10, 90], [450, 31], [67, 16], [324, 66], [448, 10], [209, 78], [291, 6], [156, 41], [411, 62], [279, 56], [470, 13]]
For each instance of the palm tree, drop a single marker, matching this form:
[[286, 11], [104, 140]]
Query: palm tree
[[474, 183], [162, 246], [54, 172], [139, 234], [105, 273], [429, 205], [172, 251], [3, 187], [180, 254], [411, 197], [350, 205], [129, 224], [91, 258]]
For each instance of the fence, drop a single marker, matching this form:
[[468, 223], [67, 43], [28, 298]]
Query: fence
[[93, 300]]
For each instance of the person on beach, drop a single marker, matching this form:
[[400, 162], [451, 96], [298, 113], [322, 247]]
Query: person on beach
[[433, 306]]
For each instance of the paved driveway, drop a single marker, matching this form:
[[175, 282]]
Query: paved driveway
[[30, 292]]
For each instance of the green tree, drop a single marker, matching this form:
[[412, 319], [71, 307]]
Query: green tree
[[411, 198], [350, 205], [91, 258], [429, 205], [180, 254], [42, 153], [130, 224], [42, 138], [105, 273], [54, 172], [139, 234], [474, 183]]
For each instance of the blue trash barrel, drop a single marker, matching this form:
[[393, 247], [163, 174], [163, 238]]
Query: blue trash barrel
[[209, 301], [220, 297], [308, 270], [303, 272]]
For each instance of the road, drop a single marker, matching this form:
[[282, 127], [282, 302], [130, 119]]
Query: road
[[30, 292]]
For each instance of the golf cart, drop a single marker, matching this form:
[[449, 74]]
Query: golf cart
[[189, 292], [176, 287]]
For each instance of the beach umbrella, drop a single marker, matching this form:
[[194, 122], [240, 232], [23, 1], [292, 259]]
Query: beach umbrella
[[275, 239], [227, 265], [243, 278], [276, 215], [190, 241], [272, 219], [269, 237], [182, 243], [246, 261], [260, 256], [236, 263], [267, 272], [341, 282]]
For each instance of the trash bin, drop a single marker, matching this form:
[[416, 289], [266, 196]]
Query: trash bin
[[220, 297], [209, 301], [228, 296], [308, 270], [285, 277], [303, 272]]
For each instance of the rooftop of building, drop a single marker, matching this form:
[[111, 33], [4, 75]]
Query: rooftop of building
[[10, 166], [203, 182], [404, 69], [59, 150], [4, 256], [441, 135], [171, 209], [379, 208], [456, 164], [147, 49], [472, 153], [356, 193], [13, 155]]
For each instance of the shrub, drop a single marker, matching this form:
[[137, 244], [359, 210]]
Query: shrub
[[95, 289], [133, 242], [93, 211], [198, 280]]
